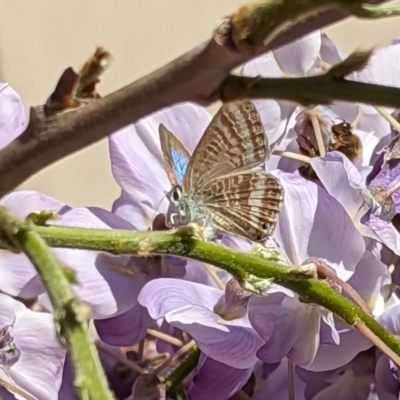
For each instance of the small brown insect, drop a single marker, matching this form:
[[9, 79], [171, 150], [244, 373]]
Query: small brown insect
[[343, 140]]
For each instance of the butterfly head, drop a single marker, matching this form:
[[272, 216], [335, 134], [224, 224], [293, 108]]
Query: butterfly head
[[179, 213]]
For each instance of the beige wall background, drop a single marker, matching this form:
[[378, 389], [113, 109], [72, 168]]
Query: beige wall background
[[40, 38]]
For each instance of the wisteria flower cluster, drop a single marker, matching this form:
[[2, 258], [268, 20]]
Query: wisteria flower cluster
[[148, 315]]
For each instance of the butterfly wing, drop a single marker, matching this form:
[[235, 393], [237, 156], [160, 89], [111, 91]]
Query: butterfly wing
[[176, 157], [234, 141], [244, 204]]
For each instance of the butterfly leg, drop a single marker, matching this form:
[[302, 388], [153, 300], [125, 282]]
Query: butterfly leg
[[172, 218]]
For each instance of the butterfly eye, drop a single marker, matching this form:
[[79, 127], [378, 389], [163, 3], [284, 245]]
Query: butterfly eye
[[265, 225], [176, 194]]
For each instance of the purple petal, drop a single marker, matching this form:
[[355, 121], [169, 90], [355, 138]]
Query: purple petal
[[24, 202], [286, 164], [12, 115], [369, 143], [347, 111], [67, 389], [386, 382], [295, 334], [103, 284], [105, 219], [126, 329], [328, 333], [39, 369], [330, 357], [390, 319], [276, 385], [372, 281], [264, 65], [297, 57], [301, 230], [233, 343], [216, 380], [371, 121], [388, 180], [188, 306], [140, 215], [384, 232], [17, 275], [264, 311], [270, 114], [106, 290], [330, 52], [163, 295], [348, 387], [341, 180], [137, 146], [382, 68], [5, 395]]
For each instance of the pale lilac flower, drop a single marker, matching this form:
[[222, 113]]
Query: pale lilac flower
[[384, 182], [108, 284], [386, 372], [352, 381], [275, 385], [343, 181], [191, 307], [309, 55], [216, 380], [307, 334], [297, 58], [12, 115], [30, 355], [103, 284]]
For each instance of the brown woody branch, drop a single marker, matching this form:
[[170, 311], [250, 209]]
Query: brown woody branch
[[195, 76]]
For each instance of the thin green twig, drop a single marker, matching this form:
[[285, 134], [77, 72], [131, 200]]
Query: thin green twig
[[182, 371], [181, 242], [70, 313], [320, 89]]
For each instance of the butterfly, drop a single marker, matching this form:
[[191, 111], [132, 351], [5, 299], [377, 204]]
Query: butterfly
[[223, 186]]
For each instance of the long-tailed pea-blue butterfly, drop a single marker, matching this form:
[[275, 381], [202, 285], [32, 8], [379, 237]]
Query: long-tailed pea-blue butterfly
[[223, 186]]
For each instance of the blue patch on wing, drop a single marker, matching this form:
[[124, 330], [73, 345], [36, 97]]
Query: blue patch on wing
[[180, 164]]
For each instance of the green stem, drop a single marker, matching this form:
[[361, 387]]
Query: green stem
[[321, 89], [180, 242], [70, 314], [260, 23], [182, 371]]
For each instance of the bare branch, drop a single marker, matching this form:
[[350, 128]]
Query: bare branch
[[195, 76]]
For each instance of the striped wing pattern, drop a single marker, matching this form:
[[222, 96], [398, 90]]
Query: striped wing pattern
[[233, 142], [244, 204]]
